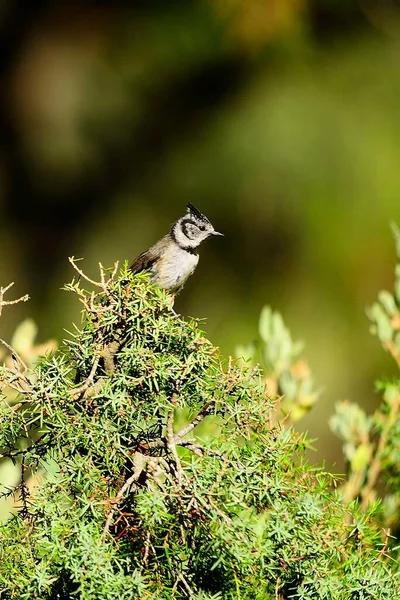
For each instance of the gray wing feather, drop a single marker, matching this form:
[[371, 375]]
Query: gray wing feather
[[146, 260]]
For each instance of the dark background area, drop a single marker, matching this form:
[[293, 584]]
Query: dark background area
[[279, 119]]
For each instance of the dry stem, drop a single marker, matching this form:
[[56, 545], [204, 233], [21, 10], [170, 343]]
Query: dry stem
[[8, 302], [171, 442], [376, 464], [88, 382]]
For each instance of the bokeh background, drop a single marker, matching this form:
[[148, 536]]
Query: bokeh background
[[278, 118]]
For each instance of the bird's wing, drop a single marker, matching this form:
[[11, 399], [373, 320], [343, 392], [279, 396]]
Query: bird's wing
[[143, 262], [146, 260]]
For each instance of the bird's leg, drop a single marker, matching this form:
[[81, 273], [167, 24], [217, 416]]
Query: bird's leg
[[172, 306]]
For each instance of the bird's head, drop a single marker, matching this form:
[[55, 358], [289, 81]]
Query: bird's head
[[192, 229]]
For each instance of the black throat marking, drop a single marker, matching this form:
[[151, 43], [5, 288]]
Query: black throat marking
[[188, 249]]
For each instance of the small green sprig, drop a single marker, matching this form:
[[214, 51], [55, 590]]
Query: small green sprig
[[287, 374]]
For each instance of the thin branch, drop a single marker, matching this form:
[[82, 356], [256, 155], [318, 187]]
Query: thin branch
[[181, 578], [72, 260], [11, 383], [15, 378], [147, 549], [385, 543], [161, 442], [171, 444], [277, 596], [117, 500], [376, 464], [154, 444], [8, 302], [139, 464], [200, 451], [14, 353], [102, 276], [103, 284], [115, 270], [197, 450], [4, 290], [205, 411], [89, 381], [24, 491]]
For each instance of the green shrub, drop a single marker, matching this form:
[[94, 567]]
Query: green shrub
[[152, 468]]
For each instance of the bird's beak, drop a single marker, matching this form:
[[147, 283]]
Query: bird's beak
[[217, 233]]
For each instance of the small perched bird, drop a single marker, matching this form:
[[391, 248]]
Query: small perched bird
[[174, 258]]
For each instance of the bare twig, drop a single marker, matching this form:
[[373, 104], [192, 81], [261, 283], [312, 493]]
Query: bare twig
[[72, 260], [154, 444], [88, 382], [200, 451], [205, 411], [103, 284], [21, 388], [171, 443], [4, 290], [8, 302], [162, 441], [102, 275], [115, 270], [117, 500], [146, 548], [197, 450], [182, 579], [14, 353], [23, 488], [385, 543], [376, 464], [139, 464], [277, 596]]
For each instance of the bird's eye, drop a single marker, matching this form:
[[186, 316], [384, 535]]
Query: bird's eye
[[202, 228]]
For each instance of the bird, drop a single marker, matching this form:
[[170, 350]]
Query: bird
[[175, 256]]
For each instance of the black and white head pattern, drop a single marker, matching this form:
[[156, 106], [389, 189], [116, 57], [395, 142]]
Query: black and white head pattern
[[192, 229]]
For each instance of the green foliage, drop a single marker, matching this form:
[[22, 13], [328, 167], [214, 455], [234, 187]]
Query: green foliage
[[287, 375], [117, 501], [371, 442]]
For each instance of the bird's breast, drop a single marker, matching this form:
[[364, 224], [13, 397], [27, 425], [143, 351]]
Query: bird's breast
[[175, 266]]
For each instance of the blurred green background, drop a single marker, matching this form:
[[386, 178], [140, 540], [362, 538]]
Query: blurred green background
[[278, 118]]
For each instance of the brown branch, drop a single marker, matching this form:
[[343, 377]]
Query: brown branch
[[376, 464], [108, 353], [154, 444], [146, 549], [139, 461], [8, 302], [103, 284], [385, 543], [205, 411], [11, 383], [181, 578], [200, 451], [14, 354], [162, 441], [171, 443], [88, 382], [72, 260]]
